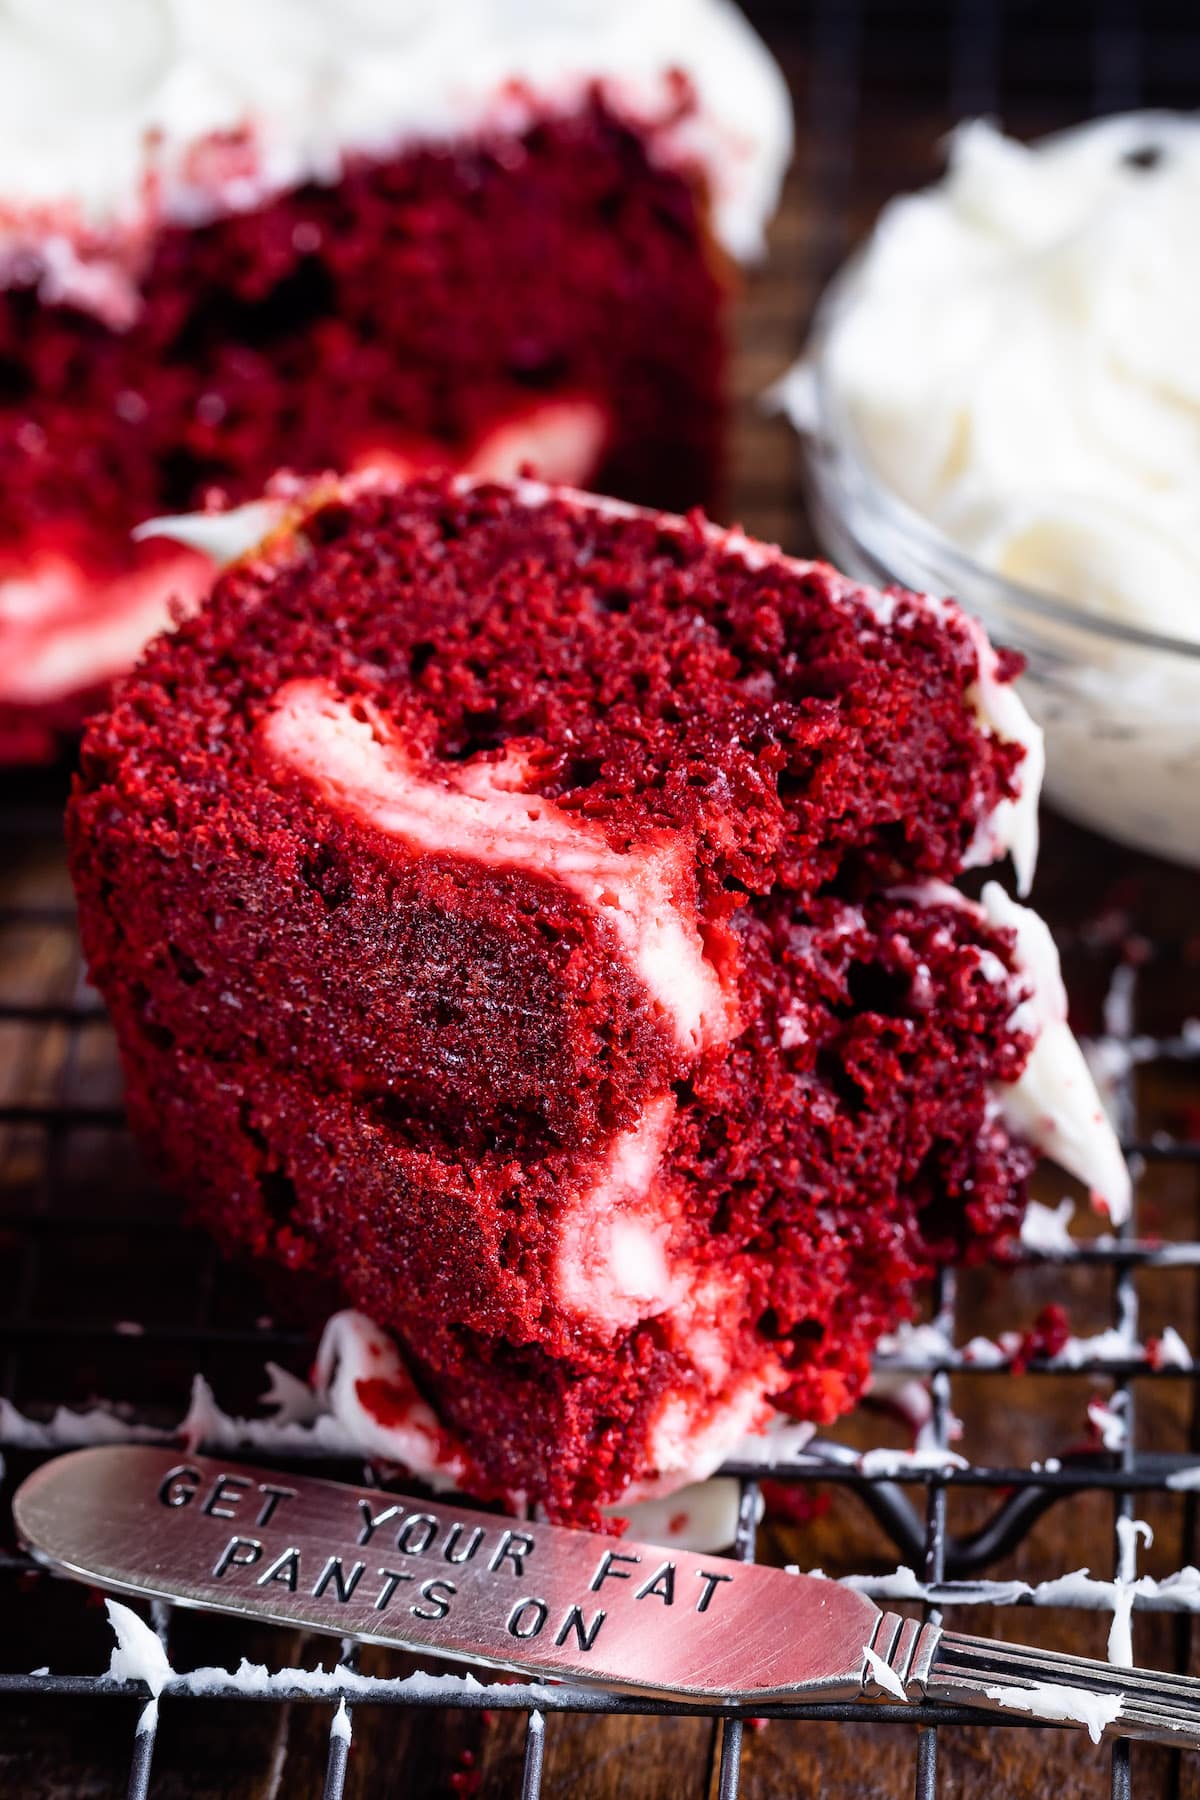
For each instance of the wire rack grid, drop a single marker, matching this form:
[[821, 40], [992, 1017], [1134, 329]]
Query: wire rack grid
[[857, 69], [944, 1570]]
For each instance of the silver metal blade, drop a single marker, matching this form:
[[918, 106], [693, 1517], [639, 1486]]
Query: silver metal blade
[[431, 1575], [416, 1574]]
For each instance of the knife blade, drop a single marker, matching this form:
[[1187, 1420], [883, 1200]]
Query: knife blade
[[541, 1600]]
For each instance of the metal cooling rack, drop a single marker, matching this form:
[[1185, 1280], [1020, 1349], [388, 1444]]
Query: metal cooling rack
[[873, 81], [948, 1571]]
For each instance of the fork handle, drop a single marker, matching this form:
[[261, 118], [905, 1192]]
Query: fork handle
[[935, 1664]]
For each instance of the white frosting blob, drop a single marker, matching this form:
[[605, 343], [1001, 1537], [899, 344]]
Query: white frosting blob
[[692, 1435], [1013, 823], [1018, 357], [354, 1350], [139, 1654], [1054, 1105], [1051, 1700], [612, 1265], [883, 1674], [222, 536], [92, 98], [1046, 1229]]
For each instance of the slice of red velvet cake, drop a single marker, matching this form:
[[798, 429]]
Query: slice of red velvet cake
[[347, 234], [531, 914]]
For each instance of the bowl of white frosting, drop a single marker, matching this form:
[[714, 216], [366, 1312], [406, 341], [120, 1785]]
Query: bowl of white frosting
[[1001, 400]]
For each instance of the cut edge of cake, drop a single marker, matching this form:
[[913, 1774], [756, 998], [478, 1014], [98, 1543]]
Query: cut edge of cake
[[1053, 1105]]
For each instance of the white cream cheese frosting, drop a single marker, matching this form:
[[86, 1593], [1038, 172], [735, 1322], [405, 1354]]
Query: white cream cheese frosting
[[112, 115], [1018, 360], [1055, 1105]]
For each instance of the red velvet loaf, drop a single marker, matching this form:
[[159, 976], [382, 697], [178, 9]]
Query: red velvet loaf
[[401, 235]]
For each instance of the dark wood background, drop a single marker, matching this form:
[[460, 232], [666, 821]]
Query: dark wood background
[[85, 1240]]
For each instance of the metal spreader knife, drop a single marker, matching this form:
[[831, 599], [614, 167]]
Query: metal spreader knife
[[564, 1605]]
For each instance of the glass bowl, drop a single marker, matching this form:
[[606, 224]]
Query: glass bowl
[[1120, 706]]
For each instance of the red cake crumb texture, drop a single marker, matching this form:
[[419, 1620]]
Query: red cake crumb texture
[[453, 268], [532, 914]]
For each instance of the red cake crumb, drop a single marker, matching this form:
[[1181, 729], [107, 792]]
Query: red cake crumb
[[527, 913], [798, 1505], [553, 298], [1045, 1338]]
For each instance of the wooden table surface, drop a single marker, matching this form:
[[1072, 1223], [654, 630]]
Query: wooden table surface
[[870, 110]]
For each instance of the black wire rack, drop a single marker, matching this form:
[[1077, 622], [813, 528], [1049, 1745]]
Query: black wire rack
[[937, 1569], [866, 77]]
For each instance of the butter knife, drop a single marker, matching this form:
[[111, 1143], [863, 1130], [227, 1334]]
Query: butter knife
[[431, 1575]]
